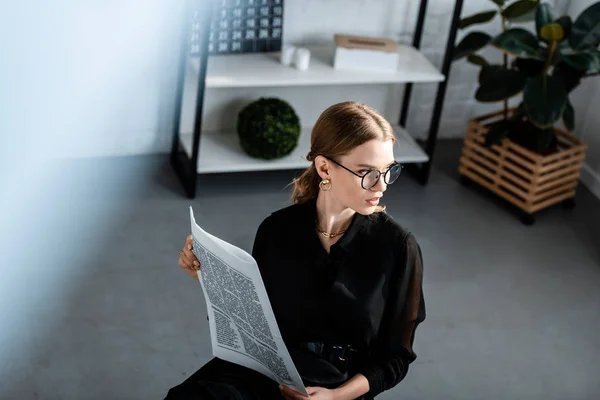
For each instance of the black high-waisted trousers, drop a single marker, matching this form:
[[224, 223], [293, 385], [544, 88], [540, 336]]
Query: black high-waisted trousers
[[222, 380]]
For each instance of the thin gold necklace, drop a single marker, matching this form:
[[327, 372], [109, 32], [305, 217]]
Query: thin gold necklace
[[325, 234]]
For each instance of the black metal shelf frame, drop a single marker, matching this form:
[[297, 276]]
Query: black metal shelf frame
[[186, 167]]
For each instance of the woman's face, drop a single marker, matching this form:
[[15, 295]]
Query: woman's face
[[374, 154]]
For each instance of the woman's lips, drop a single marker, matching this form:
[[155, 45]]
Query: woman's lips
[[374, 201]]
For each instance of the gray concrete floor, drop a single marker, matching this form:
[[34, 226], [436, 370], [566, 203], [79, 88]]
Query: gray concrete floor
[[513, 310]]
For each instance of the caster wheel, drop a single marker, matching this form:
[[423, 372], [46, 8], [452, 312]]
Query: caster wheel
[[569, 204], [527, 219], [465, 181]]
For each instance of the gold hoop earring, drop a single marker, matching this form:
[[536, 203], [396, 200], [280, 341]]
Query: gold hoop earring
[[325, 184]]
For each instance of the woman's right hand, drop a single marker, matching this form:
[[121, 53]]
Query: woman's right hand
[[187, 259]]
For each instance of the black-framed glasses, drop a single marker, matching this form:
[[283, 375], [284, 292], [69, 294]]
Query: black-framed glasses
[[371, 177]]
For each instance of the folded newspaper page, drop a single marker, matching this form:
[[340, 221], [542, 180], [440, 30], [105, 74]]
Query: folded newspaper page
[[243, 328]]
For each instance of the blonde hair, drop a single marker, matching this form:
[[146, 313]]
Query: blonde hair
[[338, 130]]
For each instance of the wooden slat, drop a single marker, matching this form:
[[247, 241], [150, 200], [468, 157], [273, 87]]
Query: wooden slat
[[474, 126], [518, 160], [531, 167], [474, 147], [553, 192], [549, 185], [490, 115], [474, 136], [559, 173], [494, 150], [530, 155], [470, 154], [520, 172], [570, 137], [573, 143], [579, 158], [552, 201], [466, 172], [502, 183], [500, 167], [561, 154], [535, 178]]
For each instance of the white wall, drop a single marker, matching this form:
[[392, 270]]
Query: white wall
[[585, 101]]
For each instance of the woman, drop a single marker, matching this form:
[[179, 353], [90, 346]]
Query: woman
[[344, 279]]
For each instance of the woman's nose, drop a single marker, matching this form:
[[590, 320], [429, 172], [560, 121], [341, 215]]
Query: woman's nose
[[380, 186]]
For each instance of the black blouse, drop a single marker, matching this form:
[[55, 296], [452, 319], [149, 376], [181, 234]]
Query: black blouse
[[366, 292]]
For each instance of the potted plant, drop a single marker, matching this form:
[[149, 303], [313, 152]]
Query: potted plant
[[520, 153]]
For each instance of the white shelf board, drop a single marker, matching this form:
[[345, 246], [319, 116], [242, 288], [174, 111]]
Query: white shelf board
[[221, 152], [264, 69]]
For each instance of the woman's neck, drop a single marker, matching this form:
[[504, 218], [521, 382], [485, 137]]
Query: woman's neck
[[331, 215]]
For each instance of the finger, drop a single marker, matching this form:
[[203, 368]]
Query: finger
[[187, 267], [292, 393], [190, 258], [184, 264], [189, 242]]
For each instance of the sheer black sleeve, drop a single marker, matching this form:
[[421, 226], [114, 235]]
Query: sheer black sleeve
[[260, 242], [405, 310]]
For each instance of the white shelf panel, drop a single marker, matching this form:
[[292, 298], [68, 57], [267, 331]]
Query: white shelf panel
[[221, 152], [264, 69]]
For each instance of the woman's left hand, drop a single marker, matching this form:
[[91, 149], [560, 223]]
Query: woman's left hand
[[315, 393]]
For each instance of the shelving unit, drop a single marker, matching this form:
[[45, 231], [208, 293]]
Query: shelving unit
[[203, 152]]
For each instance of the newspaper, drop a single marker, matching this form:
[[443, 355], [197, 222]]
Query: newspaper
[[243, 328]]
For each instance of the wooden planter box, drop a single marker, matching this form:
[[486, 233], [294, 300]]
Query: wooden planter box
[[528, 180]]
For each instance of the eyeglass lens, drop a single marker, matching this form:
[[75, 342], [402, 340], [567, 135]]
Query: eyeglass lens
[[390, 177]]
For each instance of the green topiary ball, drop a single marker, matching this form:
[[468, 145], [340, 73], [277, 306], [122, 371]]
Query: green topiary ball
[[268, 128]]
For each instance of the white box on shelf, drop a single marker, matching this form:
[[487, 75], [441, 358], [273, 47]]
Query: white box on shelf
[[365, 53]]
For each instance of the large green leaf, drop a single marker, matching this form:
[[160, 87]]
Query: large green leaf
[[527, 17], [519, 8], [518, 42], [477, 18], [497, 83], [529, 67], [552, 32], [570, 76], [543, 16], [588, 61], [545, 98], [566, 23], [569, 116], [489, 72], [585, 33], [477, 59], [470, 44]]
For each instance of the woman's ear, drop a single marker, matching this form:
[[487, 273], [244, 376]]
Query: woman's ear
[[322, 167]]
